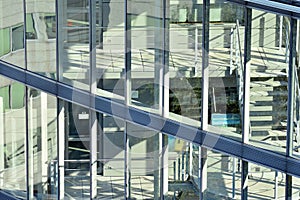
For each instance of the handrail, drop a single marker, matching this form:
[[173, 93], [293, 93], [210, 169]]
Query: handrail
[[239, 67], [297, 117]]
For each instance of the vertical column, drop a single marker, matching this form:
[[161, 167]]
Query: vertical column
[[127, 96], [44, 140], [61, 148], [2, 147], [165, 98], [61, 10], [30, 137], [291, 100], [205, 87], [93, 87], [246, 98], [158, 95]]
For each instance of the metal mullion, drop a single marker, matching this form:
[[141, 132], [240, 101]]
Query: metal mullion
[[291, 100], [92, 91], [127, 96], [246, 100], [202, 164]]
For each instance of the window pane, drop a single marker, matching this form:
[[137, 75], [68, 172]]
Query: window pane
[[5, 41], [226, 43], [268, 81], [12, 32], [41, 37], [12, 138], [42, 145]]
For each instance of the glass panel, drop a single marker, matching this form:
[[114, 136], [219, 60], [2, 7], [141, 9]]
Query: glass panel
[[110, 48], [12, 32], [226, 43], [12, 138], [146, 38], [296, 188], [42, 145], [40, 37], [77, 152], [74, 46], [296, 105], [110, 158], [183, 167], [144, 162], [184, 61], [223, 176], [264, 183], [268, 86], [5, 41]]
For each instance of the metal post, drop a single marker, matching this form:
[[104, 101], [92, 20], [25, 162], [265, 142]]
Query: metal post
[[127, 96], [182, 166], [231, 50], [44, 140], [205, 87], [276, 186], [93, 122], [61, 148], [196, 51], [233, 176], [246, 111], [291, 100], [280, 31]]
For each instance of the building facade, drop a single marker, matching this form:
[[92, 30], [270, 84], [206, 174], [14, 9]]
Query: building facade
[[157, 99]]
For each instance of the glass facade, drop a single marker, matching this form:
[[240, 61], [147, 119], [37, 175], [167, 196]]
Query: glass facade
[[158, 99]]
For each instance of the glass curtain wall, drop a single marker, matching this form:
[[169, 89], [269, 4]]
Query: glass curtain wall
[[109, 48], [73, 43], [12, 32], [225, 68], [269, 80], [42, 143], [145, 49], [12, 138], [41, 37], [184, 59]]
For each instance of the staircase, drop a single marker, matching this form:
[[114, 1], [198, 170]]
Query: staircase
[[268, 96]]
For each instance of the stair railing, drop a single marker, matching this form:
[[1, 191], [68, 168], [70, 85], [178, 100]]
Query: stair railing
[[297, 117], [239, 66]]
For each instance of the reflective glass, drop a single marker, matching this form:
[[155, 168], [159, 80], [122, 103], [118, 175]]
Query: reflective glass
[[226, 47], [12, 138], [223, 176], [41, 37], [74, 53], [184, 61], [146, 49], [110, 49], [111, 154], [268, 80], [77, 152], [264, 183], [295, 188], [12, 32], [296, 106], [42, 139], [144, 162]]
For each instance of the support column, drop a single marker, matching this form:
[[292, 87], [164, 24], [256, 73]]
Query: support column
[[61, 148], [93, 122], [44, 141], [291, 100], [246, 98], [127, 97], [30, 153], [2, 143], [205, 90]]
